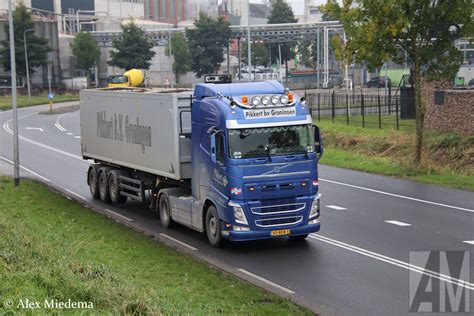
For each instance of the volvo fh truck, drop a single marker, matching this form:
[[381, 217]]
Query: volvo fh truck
[[233, 161]]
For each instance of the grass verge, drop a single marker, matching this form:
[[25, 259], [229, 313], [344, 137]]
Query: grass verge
[[22, 100], [53, 248], [447, 158]]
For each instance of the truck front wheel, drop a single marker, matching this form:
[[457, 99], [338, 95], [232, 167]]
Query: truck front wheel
[[213, 227], [165, 211]]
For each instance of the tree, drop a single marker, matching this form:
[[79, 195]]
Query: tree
[[132, 49], [86, 52], [282, 13], [37, 46], [181, 54], [305, 49], [259, 54], [424, 30], [207, 42]]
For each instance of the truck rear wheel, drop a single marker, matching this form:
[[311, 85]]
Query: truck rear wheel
[[165, 211], [104, 185], [213, 227], [93, 181], [114, 188]]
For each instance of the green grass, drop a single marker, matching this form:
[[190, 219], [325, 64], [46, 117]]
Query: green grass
[[51, 247], [371, 121], [22, 100], [447, 158]]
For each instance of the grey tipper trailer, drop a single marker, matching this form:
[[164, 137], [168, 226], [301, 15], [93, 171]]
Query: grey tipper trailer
[[139, 134]]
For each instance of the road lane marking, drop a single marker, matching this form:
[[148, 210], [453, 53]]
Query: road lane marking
[[119, 215], [395, 262], [178, 241], [402, 224], [70, 133], [471, 242], [75, 194], [59, 151], [36, 128], [78, 137], [58, 125], [398, 195], [26, 169], [336, 207], [284, 289]]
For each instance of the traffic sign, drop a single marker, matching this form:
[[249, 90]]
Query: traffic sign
[[50, 95]]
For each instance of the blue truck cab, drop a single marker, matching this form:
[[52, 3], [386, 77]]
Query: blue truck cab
[[254, 155]]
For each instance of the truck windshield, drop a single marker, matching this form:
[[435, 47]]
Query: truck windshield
[[117, 79], [274, 141]]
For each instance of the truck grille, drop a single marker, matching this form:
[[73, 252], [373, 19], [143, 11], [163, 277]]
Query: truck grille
[[280, 221], [278, 209]]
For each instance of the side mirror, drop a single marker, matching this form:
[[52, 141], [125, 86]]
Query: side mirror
[[213, 148], [318, 141]]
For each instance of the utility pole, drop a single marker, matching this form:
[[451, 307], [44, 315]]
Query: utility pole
[[16, 153], [249, 52], [26, 61]]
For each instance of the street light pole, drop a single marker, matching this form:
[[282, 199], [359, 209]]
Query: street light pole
[[248, 42], [16, 155], [26, 61]]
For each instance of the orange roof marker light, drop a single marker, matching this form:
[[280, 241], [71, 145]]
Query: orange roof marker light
[[245, 100], [291, 97]]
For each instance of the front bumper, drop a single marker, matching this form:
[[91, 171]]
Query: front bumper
[[265, 234]]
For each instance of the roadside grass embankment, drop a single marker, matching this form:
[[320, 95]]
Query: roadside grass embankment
[[22, 100], [54, 248], [447, 158]]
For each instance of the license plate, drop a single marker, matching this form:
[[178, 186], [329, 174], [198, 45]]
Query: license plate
[[280, 232]]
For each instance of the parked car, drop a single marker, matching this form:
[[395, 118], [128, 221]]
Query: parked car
[[379, 82]]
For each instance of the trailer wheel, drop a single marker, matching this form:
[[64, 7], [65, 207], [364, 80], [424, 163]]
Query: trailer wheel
[[104, 185], [114, 188], [213, 227], [165, 211], [93, 181]]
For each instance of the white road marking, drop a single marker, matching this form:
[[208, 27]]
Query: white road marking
[[178, 241], [399, 196], [26, 169], [78, 137], [59, 151], [398, 223], [119, 215], [74, 193], [70, 133], [395, 262], [336, 207], [284, 289], [36, 128], [58, 125], [471, 242]]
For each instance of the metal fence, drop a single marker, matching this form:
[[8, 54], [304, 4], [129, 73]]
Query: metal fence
[[377, 109]]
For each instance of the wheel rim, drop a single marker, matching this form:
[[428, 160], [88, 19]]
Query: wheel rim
[[102, 185], [213, 226], [92, 181], [113, 187]]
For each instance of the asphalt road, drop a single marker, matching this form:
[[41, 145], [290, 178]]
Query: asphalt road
[[358, 264]]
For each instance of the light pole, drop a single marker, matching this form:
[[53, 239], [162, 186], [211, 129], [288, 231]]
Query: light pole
[[16, 154], [248, 42], [26, 61]]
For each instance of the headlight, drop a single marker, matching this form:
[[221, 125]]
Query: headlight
[[284, 99], [238, 214], [315, 207], [266, 100], [275, 99], [256, 101]]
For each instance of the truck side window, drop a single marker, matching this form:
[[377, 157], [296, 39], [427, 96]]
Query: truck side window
[[220, 152]]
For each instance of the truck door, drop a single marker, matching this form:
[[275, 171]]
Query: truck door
[[218, 158]]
